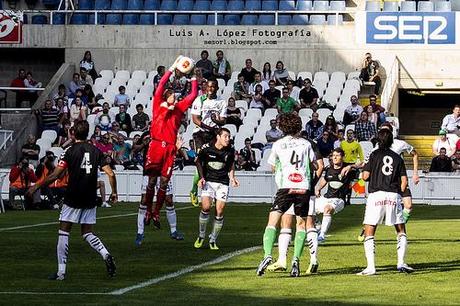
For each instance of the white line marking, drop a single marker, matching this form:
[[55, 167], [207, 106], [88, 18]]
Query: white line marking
[[51, 293]]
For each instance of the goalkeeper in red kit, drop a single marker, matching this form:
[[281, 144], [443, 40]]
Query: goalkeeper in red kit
[[166, 120]]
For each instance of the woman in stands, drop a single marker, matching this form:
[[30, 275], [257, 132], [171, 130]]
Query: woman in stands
[[267, 73], [77, 111], [373, 117], [233, 113], [88, 63], [281, 74], [331, 127]]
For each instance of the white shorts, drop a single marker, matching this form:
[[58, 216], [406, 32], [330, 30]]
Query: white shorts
[[311, 208], [216, 191], [383, 205], [145, 182], [336, 203], [78, 215]]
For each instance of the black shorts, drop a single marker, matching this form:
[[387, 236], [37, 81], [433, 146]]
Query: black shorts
[[202, 137], [284, 200], [406, 193]]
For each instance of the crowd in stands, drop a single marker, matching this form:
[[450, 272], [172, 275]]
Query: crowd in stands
[[25, 80]]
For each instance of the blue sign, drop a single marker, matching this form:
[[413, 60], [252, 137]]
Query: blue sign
[[410, 28]]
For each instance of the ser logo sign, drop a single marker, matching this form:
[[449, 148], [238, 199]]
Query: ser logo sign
[[410, 28], [10, 27]]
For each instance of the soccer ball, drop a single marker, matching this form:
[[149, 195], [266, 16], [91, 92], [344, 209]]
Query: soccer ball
[[185, 64]]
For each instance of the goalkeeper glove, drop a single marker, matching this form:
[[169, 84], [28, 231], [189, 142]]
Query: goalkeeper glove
[[406, 214], [176, 62]]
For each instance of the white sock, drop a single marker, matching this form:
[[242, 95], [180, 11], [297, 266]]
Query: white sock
[[402, 247], [218, 224], [62, 251], [312, 239], [96, 244], [172, 218], [203, 222], [325, 224], [140, 218], [369, 249], [283, 244]]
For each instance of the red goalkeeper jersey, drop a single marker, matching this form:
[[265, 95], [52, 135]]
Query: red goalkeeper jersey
[[166, 121]]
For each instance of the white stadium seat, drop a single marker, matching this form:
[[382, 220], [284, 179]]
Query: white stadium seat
[[57, 151], [321, 76], [123, 75], [106, 74], [231, 128], [271, 113], [305, 75], [323, 113], [367, 148], [292, 75], [353, 75], [260, 136], [306, 112], [139, 75], [135, 83], [338, 76], [254, 112], [49, 134], [242, 104]]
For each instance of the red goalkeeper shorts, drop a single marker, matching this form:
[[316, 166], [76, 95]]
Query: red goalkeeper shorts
[[160, 158]]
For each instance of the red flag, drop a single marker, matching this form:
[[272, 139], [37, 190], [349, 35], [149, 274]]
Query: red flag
[[359, 187]]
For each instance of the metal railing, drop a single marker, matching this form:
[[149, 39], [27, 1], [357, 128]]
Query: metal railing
[[6, 89], [5, 136], [391, 85]]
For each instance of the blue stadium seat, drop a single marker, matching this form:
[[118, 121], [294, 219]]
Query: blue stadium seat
[[151, 5], [390, 6], [131, 19], [168, 5], [373, 6], [59, 18], [321, 5], [304, 5], [253, 5], [99, 5], [164, 19], [86, 4], [146, 19], [331, 20], [77, 18], [442, 6], [266, 19], [299, 19], [181, 19], [408, 6], [235, 5], [185, 5], [317, 19], [117, 5], [284, 19], [287, 5], [39, 19], [339, 5], [232, 19], [202, 5], [218, 5], [220, 19], [249, 19], [269, 5], [198, 19], [51, 4], [425, 6]]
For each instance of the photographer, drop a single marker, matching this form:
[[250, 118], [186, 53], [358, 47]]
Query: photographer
[[46, 167], [21, 177]]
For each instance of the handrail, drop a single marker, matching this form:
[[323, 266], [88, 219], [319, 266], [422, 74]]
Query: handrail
[[22, 88], [7, 135], [391, 84]]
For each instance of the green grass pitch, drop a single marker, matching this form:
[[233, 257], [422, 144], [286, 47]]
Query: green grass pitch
[[28, 257]]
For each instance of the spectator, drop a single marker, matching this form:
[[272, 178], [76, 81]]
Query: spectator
[[139, 146], [353, 111], [205, 65], [241, 89], [248, 71], [79, 94], [258, 81], [272, 135], [29, 82], [122, 98], [115, 129], [456, 161], [258, 90], [330, 126], [105, 144], [248, 157], [30, 150], [281, 74], [353, 150], [325, 144], [221, 67], [267, 74], [64, 133], [85, 79], [457, 145], [203, 87], [377, 109], [308, 96], [88, 64], [141, 119], [233, 113], [443, 142], [63, 110], [62, 93], [70, 140], [21, 176], [49, 117], [77, 111], [156, 79], [340, 138], [45, 168], [370, 72], [293, 90], [122, 152], [313, 127], [364, 129], [88, 97], [441, 163], [21, 95], [124, 119], [271, 95], [74, 84], [137, 156], [286, 104], [451, 123], [103, 119], [257, 102], [96, 135], [373, 117]]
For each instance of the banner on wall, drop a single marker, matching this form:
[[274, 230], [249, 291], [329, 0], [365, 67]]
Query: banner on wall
[[11, 27]]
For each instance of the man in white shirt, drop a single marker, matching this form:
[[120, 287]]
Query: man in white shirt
[[353, 111], [451, 123], [258, 81], [443, 142]]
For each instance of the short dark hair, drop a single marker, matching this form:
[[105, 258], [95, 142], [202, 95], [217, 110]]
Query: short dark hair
[[340, 151], [121, 88], [372, 97], [387, 125], [240, 75], [257, 73], [205, 52], [139, 105], [159, 68], [61, 86], [222, 130], [442, 148], [247, 139], [75, 74], [307, 80], [385, 138], [81, 130], [290, 123]]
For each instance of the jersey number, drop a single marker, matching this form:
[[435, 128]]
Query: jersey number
[[295, 160], [387, 168], [86, 163]]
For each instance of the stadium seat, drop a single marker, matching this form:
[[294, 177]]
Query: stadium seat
[[442, 6], [390, 6], [134, 83], [44, 145], [354, 74], [299, 19], [139, 75], [122, 75], [198, 19], [164, 19], [373, 6], [242, 104], [317, 19], [337, 6], [106, 74], [202, 5], [77, 18], [425, 6], [321, 5], [249, 19], [304, 5], [287, 5], [334, 19], [235, 5], [146, 89], [260, 137], [152, 5], [39, 19], [185, 5], [408, 6], [338, 77], [181, 19], [269, 5], [116, 5], [284, 19], [367, 148], [271, 113], [305, 112], [50, 135], [212, 17], [305, 75], [253, 5], [323, 113], [321, 75], [231, 128], [86, 4], [57, 151], [219, 5], [168, 5], [232, 19], [131, 19], [265, 19], [51, 4]]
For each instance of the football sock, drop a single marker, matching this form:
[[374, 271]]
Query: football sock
[[196, 179], [325, 224], [161, 195], [96, 244], [148, 199], [269, 240], [369, 249], [218, 224], [299, 242], [62, 251], [402, 247], [172, 218], [283, 244], [140, 218], [203, 221], [312, 239]]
